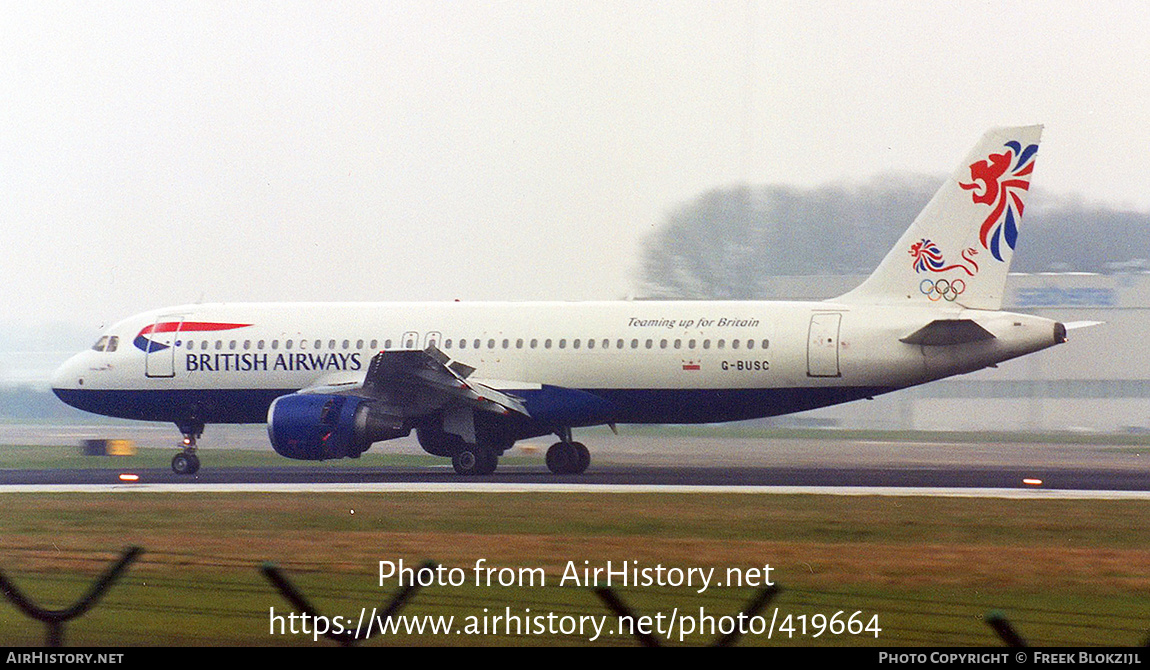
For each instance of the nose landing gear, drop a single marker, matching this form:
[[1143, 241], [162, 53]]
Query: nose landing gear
[[186, 462]]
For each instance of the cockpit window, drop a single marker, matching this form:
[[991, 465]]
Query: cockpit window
[[101, 344], [113, 342]]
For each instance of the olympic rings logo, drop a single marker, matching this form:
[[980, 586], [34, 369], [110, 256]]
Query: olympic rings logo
[[942, 289]]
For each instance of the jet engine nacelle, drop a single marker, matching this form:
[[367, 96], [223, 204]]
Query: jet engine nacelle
[[320, 427]]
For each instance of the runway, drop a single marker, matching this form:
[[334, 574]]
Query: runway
[[618, 475], [638, 462]]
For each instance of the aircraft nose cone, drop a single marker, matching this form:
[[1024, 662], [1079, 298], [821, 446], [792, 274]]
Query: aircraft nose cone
[[68, 377]]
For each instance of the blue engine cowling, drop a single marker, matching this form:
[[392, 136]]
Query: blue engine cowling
[[320, 427]]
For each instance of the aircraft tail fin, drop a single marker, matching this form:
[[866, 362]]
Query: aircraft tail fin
[[959, 247]]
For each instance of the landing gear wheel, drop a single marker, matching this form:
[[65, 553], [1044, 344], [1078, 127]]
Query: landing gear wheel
[[568, 458], [474, 460], [185, 464], [584, 458]]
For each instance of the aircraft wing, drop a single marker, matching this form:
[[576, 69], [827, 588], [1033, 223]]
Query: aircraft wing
[[412, 382]]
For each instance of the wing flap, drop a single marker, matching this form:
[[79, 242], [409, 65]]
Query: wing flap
[[395, 373]]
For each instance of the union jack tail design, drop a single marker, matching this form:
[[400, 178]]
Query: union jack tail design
[[966, 234], [1003, 192]]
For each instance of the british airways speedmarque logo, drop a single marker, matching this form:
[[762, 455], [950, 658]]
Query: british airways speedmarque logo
[[150, 346], [998, 181]]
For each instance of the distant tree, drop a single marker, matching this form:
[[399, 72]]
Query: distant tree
[[726, 243]]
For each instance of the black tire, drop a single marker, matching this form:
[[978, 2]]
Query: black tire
[[184, 464], [474, 460], [562, 458], [583, 458], [490, 461]]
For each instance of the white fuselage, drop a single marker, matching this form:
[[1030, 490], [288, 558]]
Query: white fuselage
[[662, 362]]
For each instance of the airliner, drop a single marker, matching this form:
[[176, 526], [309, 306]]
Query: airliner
[[471, 379]]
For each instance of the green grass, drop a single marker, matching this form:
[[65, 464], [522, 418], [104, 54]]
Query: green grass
[[1066, 573]]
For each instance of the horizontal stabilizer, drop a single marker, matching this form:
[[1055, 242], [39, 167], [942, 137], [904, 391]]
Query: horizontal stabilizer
[[1075, 325], [942, 332]]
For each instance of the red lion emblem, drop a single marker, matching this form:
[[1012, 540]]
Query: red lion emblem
[[988, 172], [1003, 192]]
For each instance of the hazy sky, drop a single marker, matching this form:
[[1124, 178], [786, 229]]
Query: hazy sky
[[158, 153]]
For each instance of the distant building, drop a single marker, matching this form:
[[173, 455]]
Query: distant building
[[1099, 380]]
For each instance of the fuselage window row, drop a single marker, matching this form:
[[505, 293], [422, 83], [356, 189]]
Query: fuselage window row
[[111, 344]]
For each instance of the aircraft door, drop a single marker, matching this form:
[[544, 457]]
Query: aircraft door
[[823, 345], [159, 345]]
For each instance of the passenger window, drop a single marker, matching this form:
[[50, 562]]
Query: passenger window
[[346, 344], [491, 343], [475, 344], [519, 343], [331, 344], [678, 344], [359, 344], [220, 345], [232, 345], [650, 343], [287, 345], [575, 344], [590, 344], [750, 344], [766, 343], [734, 344], [563, 344], [720, 344], [447, 343], [260, 344], [690, 344], [462, 343], [706, 344], [634, 344], [618, 344], [374, 344], [547, 343], [506, 344], [534, 343]]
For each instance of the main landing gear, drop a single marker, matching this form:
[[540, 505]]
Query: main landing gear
[[567, 457], [186, 462], [475, 459]]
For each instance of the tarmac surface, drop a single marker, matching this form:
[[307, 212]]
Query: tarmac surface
[[649, 461]]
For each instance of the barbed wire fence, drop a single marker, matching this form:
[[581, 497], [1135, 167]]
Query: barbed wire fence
[[952, 619]]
